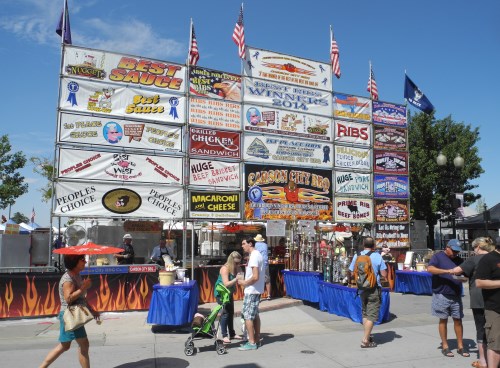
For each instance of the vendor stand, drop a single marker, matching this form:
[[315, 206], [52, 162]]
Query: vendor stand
[[413, 282]]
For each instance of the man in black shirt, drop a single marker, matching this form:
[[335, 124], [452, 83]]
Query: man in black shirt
[[127, 256]]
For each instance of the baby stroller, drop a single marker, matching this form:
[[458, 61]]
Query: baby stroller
[[204, 327]]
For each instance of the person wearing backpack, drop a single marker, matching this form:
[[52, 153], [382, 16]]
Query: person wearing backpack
[[366, 268]]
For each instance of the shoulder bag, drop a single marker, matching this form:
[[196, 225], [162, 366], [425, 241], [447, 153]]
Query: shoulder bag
[[75, 316]]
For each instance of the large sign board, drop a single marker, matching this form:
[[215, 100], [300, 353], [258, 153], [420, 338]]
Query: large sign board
[[119, 166], [349, 132], [390, 162], [122, 69], [116, 133], [391, 210], [80, 199], [392, 235], [386, 186], [214, 143], [353, 209], [214, 173], [133, 103], [347, 157], [352, 107], [276, 150], [287, 69], [214, 84], [279, 193], [386, 113], [348, 182], [260, 119], [214, 205], [389, 138], [218, 114], [285, 96]]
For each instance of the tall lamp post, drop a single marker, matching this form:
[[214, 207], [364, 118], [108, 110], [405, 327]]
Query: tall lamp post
[[458, 162]]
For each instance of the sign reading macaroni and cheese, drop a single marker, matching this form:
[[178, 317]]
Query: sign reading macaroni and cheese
[[214, 205]]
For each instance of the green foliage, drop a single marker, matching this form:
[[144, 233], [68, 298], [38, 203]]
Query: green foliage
[[432, 185], [19, 217], [44, 167], [12, 182]]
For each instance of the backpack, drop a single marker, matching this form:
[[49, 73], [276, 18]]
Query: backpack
[[363, 272]]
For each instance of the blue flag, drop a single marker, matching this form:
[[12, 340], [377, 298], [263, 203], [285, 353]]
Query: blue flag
[[67, 28], [416, 97]]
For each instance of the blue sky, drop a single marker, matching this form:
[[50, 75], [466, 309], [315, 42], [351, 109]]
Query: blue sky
[[451, 50]]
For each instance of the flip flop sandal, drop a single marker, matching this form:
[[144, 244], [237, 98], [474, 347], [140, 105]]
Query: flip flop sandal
[[368, 344], [463, 352], [447, 353]]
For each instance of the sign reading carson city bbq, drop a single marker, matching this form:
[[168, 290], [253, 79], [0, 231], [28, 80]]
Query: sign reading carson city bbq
[[389, 162], [95, 97], [276, 150], [386, 137], [352, 158], [283, 96], [90, 130], [123, 69], [352, 133], [392, 235], [352, 209], [282, 122], [352, 183], [386, 113], [77, 199], [214, 173], [288, 69], [120, 166], [352, 107], [391, 210], [214, 143], [214, 205], [214, 84], [279, 193], [214, 113], [391, 186]]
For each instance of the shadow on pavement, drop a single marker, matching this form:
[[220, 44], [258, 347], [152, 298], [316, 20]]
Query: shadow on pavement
[[158, 362], [385, 337]]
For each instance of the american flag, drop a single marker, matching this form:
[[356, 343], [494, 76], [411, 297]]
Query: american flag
[[33, 214], [194, 54], [239, 34], [334, 55], [372, 85]]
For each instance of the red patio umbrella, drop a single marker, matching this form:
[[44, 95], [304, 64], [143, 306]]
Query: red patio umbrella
[[89, 248]]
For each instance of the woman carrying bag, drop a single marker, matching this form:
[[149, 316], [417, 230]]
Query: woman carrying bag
[[72, 291]]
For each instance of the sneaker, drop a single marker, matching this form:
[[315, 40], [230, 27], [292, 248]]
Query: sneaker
[[248, 346]]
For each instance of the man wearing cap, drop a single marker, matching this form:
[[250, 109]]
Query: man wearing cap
[[261, 246], [127, 256], [447, 295], [488, 279]]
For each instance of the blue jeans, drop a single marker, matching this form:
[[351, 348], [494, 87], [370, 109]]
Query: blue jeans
[[227, 317]]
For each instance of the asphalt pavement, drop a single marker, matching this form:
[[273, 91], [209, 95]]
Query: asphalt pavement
[[294, 335]]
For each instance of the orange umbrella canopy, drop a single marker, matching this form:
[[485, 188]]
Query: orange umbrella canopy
[[89, 248]]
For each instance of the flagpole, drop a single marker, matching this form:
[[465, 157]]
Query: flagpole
[[190, 41], [370, 76]]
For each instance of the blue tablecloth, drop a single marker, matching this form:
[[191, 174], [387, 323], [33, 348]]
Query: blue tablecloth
[[344, 301], [173, 305], [302, 285], [413, 282]]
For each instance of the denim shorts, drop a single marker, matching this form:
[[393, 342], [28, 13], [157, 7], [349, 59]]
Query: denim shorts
[[68, 336]]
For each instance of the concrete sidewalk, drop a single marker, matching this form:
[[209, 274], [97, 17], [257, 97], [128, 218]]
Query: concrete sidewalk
[[295, 334]]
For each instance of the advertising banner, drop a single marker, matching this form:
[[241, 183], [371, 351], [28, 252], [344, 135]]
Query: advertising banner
[[392, 235], [352, 209], [216, 114], [386, 113], [115, 133], [80, 199], [347, 182], [389, 138], [134, 103], [214, 143], [214, 173], [391, 210], [276, 150], [391, 186], [119, 166], [352, 158], [291, 193], [352, 133], [214, 205], [276, 121], [352, 107], [126, 70], [288, 69], [390, 162], [283, 96], [214, 84]]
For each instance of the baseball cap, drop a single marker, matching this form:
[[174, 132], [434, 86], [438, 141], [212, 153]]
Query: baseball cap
[[127, 236], [454, 244]]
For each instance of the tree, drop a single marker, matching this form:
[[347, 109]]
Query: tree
[[431, 185], [19, 217], [12, 182], [44, 167]]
